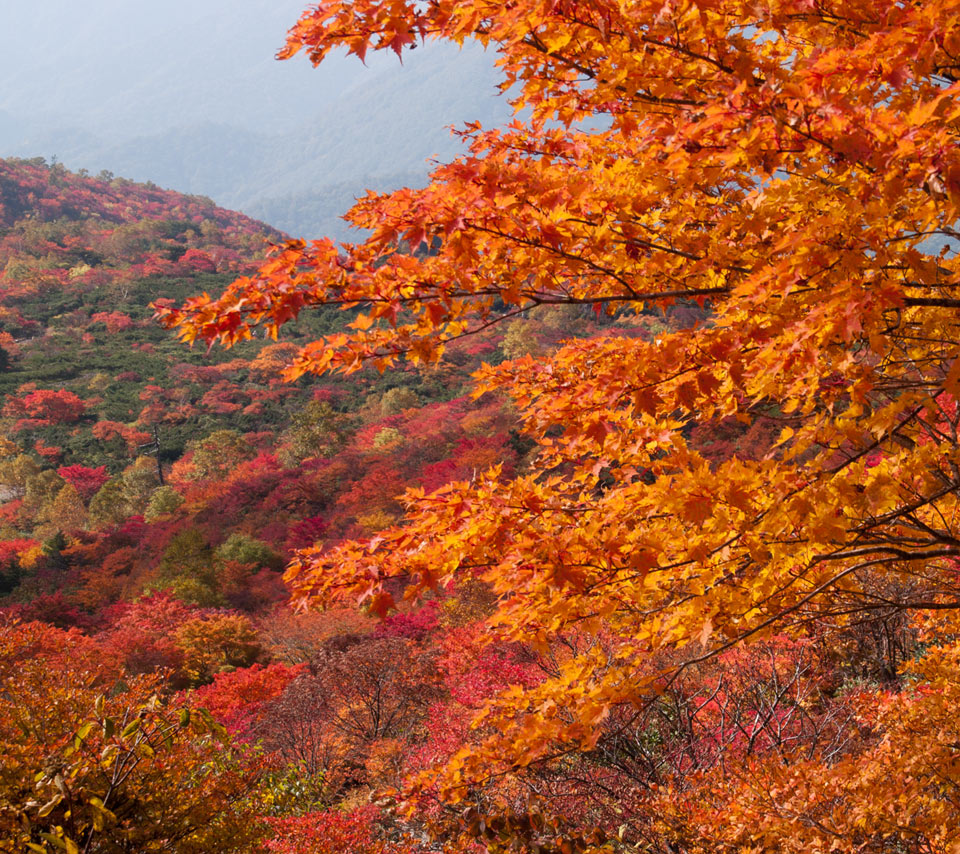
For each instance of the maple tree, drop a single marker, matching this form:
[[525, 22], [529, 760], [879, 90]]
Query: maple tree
[[45, 406], [236, 698], [792, 168], [215, 644], [87, 481]]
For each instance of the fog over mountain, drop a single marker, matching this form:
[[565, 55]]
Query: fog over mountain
[[189, 95]]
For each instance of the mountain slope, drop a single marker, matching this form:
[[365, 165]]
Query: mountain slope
[[78, 232]]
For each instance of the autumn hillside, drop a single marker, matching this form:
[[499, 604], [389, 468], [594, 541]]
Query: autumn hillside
[[99, 402], [176, 584], [80, 232], [602, 498]]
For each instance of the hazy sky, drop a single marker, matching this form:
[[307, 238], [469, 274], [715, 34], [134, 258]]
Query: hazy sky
[[128, 66], [187, 93]]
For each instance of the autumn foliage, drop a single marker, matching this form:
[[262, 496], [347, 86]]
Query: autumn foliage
[[677, 571], [92, 763], [792, 168], [45, 406]]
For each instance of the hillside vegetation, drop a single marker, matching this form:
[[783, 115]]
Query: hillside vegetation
[[615, 471], [150, 496]]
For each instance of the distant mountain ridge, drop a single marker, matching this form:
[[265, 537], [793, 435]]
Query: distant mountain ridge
[[191, 97]]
